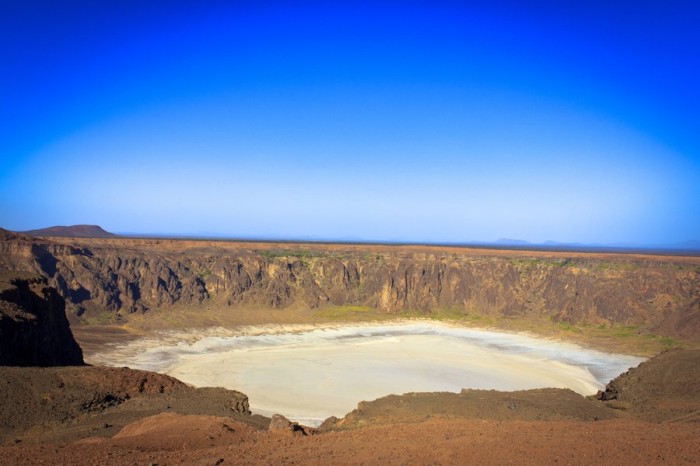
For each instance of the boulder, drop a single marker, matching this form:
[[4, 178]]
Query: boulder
[[281, 425]]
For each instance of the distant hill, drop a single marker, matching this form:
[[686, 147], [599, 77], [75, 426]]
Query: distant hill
[[686, 246], [512, 242], [75, 231]]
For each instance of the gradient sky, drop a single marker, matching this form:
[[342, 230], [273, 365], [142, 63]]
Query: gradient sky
[[412, 121]]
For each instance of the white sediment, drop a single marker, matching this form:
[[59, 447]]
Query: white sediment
[[309, 373]]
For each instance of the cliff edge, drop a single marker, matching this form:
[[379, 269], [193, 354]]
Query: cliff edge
[[34, 330], [118, 276]]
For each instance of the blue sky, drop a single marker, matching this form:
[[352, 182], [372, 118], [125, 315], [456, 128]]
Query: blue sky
[[411, 121]]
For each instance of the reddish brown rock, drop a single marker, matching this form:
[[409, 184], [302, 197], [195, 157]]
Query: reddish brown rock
[[281, 425]]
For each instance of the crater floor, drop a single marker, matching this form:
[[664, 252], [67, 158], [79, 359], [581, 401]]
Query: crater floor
[[309, 374]]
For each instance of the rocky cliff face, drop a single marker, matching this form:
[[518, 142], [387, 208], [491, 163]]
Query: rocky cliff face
[[34, 330], [120, 276]]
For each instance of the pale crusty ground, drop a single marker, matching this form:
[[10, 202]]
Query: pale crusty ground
[[310, 382]]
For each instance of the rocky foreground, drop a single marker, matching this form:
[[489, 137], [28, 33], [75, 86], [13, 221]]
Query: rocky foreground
[[89, 415], [179, 439]]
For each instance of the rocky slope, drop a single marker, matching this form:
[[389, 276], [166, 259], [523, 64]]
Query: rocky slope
[[34, 330], [74, 402], [51, 402], [544, 404], [122, 276], [664, 388]]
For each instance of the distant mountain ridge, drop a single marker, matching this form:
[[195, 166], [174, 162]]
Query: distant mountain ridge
[[691, 245], [512, 242], [73, 231], [95, 231]]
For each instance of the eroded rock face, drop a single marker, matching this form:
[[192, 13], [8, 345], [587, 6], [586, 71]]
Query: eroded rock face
[[34, 330], [123, 276]]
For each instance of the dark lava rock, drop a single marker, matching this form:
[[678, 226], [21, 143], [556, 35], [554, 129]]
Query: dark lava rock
[[34, 330]]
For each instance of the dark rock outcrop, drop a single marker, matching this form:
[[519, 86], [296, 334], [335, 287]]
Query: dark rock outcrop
[[34, 330], [281, 425]]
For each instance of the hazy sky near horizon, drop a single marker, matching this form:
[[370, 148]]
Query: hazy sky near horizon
[[413, 121]]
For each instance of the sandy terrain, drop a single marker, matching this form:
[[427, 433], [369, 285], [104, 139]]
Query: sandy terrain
[[178, 439]]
